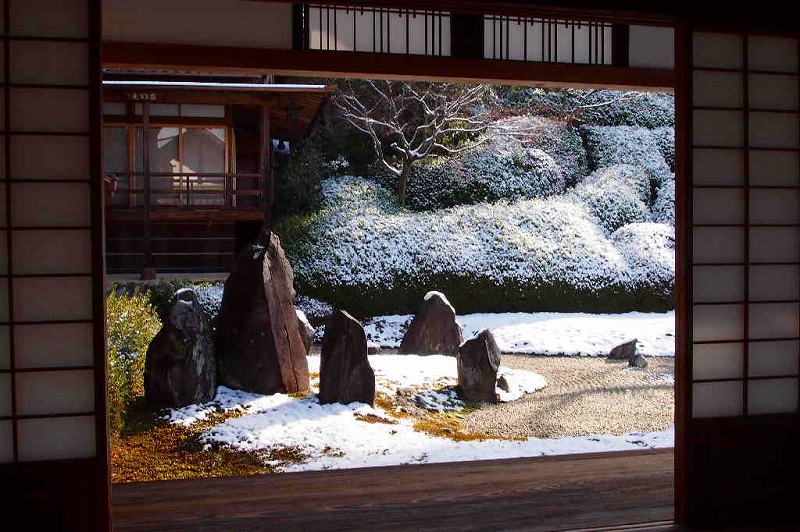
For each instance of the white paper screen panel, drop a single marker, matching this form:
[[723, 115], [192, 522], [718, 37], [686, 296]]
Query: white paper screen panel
[[5, 348], [772, 396], [717, 89], [713, 323], [774, 130], [3, 252], [51, 63], [56, 438], [767, 91], [717, 399], [774, 168], [4, 310], [45, 18], [718, 284], [718, 167], [6, 441], [54, 298], [52, 345], [52, 252], [774, 358], [718, 206], [774, 320], [55, 392], [771, 54], [717, 50], [717, 245], [774, 283], [774, 244], [67, 157], [5, 394], [774, 206], [718, 361], [718, 128], [50, 110], [50, 205]]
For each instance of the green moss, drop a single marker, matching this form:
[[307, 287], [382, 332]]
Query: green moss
[[150, 449]]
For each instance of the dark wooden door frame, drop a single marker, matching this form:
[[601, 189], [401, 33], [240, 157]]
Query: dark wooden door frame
[[312, 62]]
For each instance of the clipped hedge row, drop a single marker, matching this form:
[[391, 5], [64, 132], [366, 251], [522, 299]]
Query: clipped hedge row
[[363, 254], [616, 196], [489, 172]]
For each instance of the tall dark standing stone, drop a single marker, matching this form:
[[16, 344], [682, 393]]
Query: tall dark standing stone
[[345, 375], [434, 329], [478, 360], [179, 367], [258, 341]]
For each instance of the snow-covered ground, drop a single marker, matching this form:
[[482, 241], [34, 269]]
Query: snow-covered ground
[[549, 333], [337, 436]]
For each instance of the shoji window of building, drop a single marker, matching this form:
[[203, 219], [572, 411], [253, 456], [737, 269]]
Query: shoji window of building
[[745, 231], [50, 404]]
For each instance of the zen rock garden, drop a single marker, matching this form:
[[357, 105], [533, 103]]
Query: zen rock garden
[[261, 343]]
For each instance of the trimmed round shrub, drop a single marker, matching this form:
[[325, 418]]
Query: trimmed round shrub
[[607, 146], [528, 255], [665, 138], [488, 173], [603, 107], [649, 251], [663, 210], [645, 109], [557, 138], [615, 196], [131, 323]]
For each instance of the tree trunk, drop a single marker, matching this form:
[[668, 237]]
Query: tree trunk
[[401, 188]]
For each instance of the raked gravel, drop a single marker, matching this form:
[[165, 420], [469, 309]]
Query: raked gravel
[[584, 395]]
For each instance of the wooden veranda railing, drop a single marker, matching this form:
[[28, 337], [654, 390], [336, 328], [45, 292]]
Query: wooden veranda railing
[[186, 190]]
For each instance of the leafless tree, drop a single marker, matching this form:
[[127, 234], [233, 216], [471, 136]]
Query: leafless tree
[[407, 122]]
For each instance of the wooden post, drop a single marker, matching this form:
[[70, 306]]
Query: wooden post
[[268, 179], [146, 269]]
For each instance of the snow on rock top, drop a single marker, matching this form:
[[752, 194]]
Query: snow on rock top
[[434, 293]]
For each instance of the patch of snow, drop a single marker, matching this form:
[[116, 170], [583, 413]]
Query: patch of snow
[[552, 333], [332, 437]]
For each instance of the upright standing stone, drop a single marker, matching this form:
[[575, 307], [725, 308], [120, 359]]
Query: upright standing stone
[[179, 367], [258, 341], [434, 329], [478, 361], [345, 375]]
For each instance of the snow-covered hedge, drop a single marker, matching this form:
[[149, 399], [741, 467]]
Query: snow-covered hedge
[[649, 251], [645, 109], [607, 146], [489, 172], [364, 255], [556, 138], [665, 138], [663, 209], [597, 107], [615, 196]]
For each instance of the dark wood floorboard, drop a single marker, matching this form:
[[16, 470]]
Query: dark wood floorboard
[[541, 494]]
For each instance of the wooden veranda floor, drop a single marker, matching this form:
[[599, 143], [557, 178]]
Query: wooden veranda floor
[[541, 494]]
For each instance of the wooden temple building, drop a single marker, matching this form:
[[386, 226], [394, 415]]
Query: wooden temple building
[[189, 168]]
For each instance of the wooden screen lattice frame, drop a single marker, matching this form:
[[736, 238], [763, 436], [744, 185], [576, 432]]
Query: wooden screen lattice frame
[[747, 188]]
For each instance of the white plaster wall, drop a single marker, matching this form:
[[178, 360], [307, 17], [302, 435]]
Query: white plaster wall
[[652, 47], [205, 22]]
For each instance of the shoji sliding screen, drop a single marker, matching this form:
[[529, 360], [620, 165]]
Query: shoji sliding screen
[[746, 225], [52, 395], [744, 323]]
